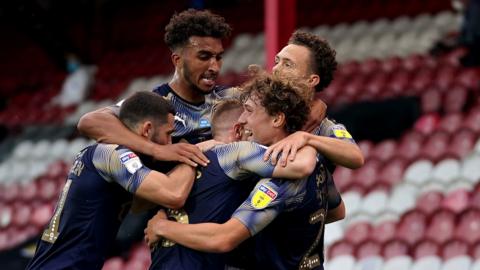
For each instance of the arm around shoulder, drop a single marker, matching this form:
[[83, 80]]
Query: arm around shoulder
[[339, 151], [168, 190], [97, 124]]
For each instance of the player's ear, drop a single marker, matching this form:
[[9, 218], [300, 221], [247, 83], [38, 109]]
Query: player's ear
[[313, 80], [238, 131], [175, 57], [147, 129], [279, 120]]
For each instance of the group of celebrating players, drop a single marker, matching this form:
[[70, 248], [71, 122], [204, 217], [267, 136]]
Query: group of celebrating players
[[257, 196]]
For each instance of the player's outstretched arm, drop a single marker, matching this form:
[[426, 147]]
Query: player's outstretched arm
[[207, 237], [340, 152], [104, 126], [170, 190]]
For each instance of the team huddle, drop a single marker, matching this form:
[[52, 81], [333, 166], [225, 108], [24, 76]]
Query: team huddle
[[252, 185]]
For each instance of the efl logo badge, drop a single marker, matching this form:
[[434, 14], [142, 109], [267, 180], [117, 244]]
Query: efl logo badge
[[263, 196], [341, 133], [131, 162]]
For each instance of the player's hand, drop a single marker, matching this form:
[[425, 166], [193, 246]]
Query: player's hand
[[151, 232], [207, 145], [182, 152], [318, 110], [288, 148]]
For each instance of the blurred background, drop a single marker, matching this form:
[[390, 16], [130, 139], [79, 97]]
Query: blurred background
[[407, 88]]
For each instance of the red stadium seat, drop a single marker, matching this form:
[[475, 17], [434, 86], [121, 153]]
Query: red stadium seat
[[342, 247], [384, 231], [28, 191], [358, 232], [11, 192], [366, 176], [455, 99], [457, 200], [349, 68], [384, 150], [353, 87], [48, 190], [454, 248], [441, 226], [435, 146], [469, 78], [376, 85], [21, 215], [391, 64], [424, 248], [392, 172], [429, 201], [421, 80], [427, 123], [394, 248], [462, 143], [366, 147], [410, 145], [472, 121], [41, 215], [412, 226], [343, 178], [370, 66], [468, 228], [431, 101], [445, 76], [398, 83], [475, 251], [414, 62], [368, 248], [451, 122]]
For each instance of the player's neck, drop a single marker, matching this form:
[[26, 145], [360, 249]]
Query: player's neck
[[278, 137], [183, 90]]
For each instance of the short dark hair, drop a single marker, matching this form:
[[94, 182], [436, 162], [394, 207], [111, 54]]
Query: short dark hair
[[193, 22], [143, 106], [279, 95], [323, 61]]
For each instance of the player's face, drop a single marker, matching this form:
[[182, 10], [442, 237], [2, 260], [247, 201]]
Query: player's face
[[163, 133], [201, 63], [293, 62], [257, 123]]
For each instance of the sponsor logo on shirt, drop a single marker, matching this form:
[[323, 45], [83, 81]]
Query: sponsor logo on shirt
[[131, 162], [263, 196], [204, 123]]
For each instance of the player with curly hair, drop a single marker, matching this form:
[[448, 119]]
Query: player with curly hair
[[273, 108], [310, 59]]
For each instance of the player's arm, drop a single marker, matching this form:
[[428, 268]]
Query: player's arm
[[256, 212], [119, 164], [336, 214], [207, 237], [301, 167], [341, 152], [250, 158], [104, 126], [336, 206], [170, 190]]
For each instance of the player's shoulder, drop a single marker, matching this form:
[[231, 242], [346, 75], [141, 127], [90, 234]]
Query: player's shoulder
[[163, 90], [106, 149]]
